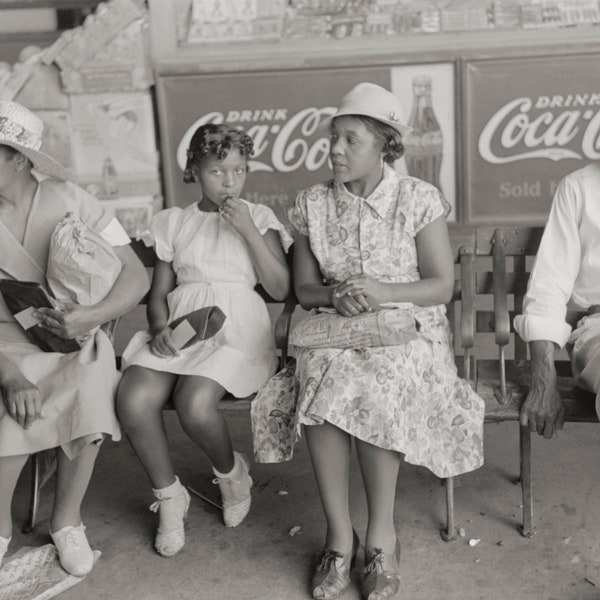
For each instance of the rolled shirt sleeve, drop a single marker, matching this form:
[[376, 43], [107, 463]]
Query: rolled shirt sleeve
[[554, 272]]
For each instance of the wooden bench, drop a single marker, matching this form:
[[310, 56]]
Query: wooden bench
[[42, 464], [494, 270]]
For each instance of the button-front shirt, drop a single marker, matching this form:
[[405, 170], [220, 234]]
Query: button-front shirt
[[374, 235], [567, 267]]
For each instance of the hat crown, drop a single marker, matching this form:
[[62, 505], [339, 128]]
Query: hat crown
[[372, 100], [18, 125]]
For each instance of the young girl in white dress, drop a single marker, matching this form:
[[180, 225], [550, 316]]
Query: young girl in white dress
[[212, 252]]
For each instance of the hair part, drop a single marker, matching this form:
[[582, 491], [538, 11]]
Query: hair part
[[215, 140], [391, 139]]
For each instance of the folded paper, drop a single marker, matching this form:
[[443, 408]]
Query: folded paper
[[386, 327]]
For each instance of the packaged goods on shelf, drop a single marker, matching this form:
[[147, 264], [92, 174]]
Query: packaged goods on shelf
[[78, 46], [506, 15], [379, 24], [574, 12], [301, 27], [431, 21], [313, 8], [234, 20], [463, 19], [347, 25], [120, 66]]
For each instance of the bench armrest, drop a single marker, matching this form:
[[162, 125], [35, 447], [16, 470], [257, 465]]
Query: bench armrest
[[501, 315]]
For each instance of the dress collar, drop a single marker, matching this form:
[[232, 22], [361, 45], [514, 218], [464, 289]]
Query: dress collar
[[379, 199]]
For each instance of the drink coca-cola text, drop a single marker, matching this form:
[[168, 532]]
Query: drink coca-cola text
[[523, 129], [281, 143]]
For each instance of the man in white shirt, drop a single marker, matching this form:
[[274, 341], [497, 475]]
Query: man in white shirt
[[566, 275]]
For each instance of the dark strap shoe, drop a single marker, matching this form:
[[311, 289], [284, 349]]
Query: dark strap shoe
[[381, 579], [332, 575]]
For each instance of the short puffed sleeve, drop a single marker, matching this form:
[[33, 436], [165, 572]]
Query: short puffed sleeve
[[428, 204], [298, 214], [264, 218], [163, 228]]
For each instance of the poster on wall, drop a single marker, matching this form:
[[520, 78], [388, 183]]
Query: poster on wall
[[427, 93], [528, 123], [282, 111], [114, 145]]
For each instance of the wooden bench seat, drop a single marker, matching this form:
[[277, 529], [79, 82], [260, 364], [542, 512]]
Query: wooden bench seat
[[492, 270], [42, 465]]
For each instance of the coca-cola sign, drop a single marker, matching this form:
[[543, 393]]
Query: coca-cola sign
[[282, 142], [529, 122], [282, 111]]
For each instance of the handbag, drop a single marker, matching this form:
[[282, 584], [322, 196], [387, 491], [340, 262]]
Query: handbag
[[196, 326], [22, 298], [385, 327], [82, 265]]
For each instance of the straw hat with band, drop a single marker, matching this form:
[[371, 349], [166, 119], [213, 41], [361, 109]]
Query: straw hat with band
[[22, 130], [371, 100]]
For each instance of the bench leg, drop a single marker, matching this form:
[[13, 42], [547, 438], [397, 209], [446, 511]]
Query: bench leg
[[34, 493], [527, 528], [449, 534]]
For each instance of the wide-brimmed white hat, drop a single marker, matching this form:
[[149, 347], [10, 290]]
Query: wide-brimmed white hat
[[22, 130], [372, 100]]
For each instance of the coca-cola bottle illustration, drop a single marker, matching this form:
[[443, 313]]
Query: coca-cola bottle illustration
[[423, 146], [110, 181]]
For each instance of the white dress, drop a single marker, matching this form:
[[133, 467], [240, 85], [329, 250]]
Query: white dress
[[77, 389], [213, 267]]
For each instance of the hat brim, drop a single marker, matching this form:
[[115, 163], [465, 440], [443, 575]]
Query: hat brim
[[403, 130], [42, 162]]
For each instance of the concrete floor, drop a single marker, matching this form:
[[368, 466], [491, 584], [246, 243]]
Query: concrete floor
[[260, 560]]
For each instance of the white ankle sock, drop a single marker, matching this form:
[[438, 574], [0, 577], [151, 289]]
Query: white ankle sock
[[169, 490], [236, 472]]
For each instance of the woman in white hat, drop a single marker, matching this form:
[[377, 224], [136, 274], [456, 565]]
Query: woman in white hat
[[49, 399], [367, 239]]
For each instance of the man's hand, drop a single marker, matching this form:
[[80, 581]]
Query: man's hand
[[543, 410]]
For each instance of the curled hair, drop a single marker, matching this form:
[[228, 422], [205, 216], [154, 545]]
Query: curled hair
[[393, 148], [216, 140]]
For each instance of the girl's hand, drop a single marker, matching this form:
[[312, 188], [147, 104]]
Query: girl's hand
[[68, 322], [237, 214], [22, 399], [161, 344], [364, 285]]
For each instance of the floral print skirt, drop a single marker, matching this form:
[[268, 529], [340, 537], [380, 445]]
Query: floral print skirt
[[406, 398]]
